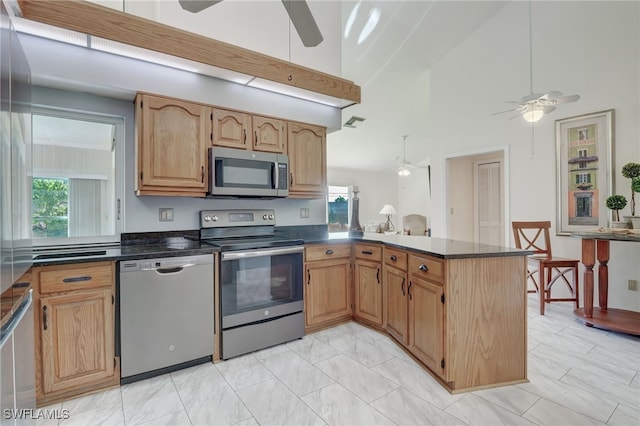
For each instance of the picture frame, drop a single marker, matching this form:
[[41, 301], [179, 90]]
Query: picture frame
[[584, 171]]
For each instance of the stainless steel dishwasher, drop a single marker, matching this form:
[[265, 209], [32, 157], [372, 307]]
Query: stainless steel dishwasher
[[166, 315]]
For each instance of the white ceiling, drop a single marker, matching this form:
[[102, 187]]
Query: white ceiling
[[391, 65]]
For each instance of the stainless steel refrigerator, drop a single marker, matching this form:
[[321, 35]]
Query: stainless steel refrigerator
[[17, 356]]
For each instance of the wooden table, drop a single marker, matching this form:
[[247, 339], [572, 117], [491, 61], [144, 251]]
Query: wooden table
[[595, 245]]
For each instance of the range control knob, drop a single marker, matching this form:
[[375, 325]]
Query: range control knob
[[207, 218], [271, 217], [265, 217], [214, 218]]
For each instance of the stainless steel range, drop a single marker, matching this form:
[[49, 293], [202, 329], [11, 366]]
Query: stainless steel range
[[261, 279]]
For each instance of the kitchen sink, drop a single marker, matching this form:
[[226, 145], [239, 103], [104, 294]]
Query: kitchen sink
[[71, 254]]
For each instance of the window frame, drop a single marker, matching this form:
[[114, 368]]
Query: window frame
[[119, 176]]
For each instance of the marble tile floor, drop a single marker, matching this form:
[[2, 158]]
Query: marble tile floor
[[351, 375]]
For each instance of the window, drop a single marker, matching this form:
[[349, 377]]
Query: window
[[583, 178], [582, 153], [338, 208], [76, 160]]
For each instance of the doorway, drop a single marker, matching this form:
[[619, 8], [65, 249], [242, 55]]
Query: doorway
[[476, 197]]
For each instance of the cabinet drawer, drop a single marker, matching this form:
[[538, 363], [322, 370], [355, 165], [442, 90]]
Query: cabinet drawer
[[395, 258], [61, 278], [366, 251], [326, 252], [427, 267]]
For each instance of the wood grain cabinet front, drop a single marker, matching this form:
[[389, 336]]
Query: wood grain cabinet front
[[368, 284], [172, 137], [75, 336], [231, 129], [269, 135], [307, 147], [327, 289]]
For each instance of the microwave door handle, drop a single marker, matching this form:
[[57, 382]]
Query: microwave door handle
[[275, 175]]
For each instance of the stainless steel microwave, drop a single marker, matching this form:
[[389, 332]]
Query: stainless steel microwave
[[239, 173]]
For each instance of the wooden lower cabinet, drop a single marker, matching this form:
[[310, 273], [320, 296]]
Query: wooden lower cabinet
[[368, 291], [75, 330], [77, 339], [396, 305], [426, 323], [327, 292]]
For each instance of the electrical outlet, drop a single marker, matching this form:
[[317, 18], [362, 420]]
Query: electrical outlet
[[165, 214], [633, 285], [304, 213]]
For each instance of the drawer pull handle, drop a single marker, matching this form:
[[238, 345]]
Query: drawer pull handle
[[44, 316], [409, 290], [394, 258], [423, 268], [329, 252], [77, 279], [402, 286], [367, 252]]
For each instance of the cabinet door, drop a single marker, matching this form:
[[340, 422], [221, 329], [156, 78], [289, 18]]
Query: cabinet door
[[307, 160], [173, 137], [231, 129], [368, 291], [327, 291], [426, 323], [395, 282], [269, 135], [77, 333]]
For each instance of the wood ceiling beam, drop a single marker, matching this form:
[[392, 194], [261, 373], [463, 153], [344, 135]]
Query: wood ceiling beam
[[110, 24]]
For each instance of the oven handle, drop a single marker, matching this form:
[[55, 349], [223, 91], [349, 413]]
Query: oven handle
[[261, 253]]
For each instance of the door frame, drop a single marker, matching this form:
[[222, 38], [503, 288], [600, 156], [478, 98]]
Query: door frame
[[476, 219], [504, 149]]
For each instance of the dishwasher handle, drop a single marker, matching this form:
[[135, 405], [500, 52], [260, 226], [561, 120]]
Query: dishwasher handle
[[174, 269]]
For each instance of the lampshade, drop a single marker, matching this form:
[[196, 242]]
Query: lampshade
[[388, 209]]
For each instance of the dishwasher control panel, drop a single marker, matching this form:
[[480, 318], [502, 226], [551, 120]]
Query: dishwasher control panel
[[164, 263]]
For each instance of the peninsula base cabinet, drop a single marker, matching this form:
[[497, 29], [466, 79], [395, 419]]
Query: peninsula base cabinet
[[368, 304], [467, 319], [327, 285], [75, 330]]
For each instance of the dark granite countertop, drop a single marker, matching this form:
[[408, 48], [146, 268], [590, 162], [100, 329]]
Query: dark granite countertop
[[186, 243]]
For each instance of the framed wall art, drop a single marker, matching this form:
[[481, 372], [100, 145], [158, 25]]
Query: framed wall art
[[584, 171]]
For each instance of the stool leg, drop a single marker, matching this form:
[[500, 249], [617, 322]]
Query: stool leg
[[542, 287], [576, 283]]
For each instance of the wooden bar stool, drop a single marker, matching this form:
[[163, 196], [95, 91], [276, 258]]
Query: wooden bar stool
[[544, 269]]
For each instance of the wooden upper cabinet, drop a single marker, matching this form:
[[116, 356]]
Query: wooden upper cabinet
[[269, 135], [231, 129], [307, 160], [172, 141]]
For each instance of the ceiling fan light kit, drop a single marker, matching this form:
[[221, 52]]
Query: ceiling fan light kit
[[534, 106]]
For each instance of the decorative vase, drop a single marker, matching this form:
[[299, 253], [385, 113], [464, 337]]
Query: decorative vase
[[355, 228]]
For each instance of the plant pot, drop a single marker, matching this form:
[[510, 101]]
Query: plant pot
[[618, 224], [635, 222]]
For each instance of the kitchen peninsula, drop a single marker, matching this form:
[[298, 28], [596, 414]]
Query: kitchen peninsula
[[457, 307]]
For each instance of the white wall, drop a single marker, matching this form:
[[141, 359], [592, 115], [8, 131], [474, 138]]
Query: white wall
[[414, 195], [588, 48]]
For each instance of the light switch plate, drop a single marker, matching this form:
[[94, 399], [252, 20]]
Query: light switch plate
[[165, 214], [304, 213]]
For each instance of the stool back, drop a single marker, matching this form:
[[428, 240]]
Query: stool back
[[533, 236]]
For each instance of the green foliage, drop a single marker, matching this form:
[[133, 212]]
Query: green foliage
[[616, 202], [50, 207], [631, 170], [635, 184], [340, 199]]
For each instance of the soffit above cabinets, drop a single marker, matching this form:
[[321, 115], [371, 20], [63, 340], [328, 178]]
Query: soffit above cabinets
[[117, 32]]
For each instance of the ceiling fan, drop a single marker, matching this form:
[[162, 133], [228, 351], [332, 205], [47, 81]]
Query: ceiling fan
[[535, 105], [405, 166], [298, 11]]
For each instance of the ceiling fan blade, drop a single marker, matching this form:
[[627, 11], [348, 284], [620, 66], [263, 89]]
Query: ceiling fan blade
[[552, 94], [303, 21], [531, 97], [195, 6], [565, 99], [548, 109], [509, 110]]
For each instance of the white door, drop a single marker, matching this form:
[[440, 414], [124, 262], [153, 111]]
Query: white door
[[488, 202]]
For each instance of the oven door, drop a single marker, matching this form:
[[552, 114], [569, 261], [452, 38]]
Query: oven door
[[258, 285]]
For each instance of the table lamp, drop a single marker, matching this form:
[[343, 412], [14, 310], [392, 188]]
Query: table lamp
[[388, 210]]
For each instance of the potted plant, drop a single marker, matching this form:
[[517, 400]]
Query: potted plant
[[617, 203], [631, 171]]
